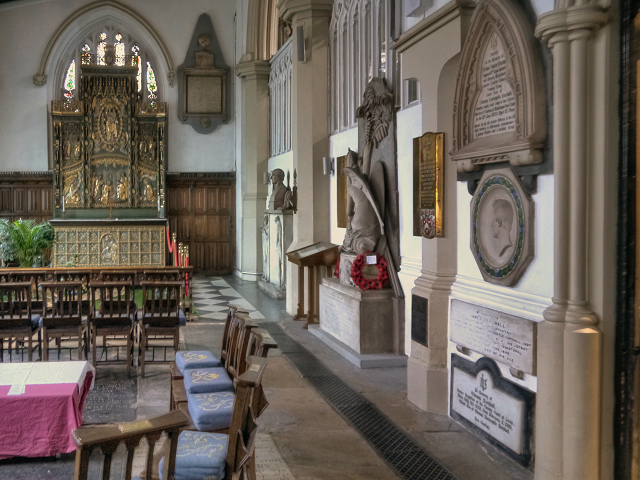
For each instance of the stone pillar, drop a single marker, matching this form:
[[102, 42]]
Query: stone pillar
[[254, 87], [569, 343], [310, 129]]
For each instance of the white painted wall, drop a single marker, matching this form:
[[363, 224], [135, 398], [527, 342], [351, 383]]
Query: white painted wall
[[28, 26]]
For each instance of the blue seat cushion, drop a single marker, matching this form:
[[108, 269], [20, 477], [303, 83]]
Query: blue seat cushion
[[200, 456], [36, 321], [211, 411], [207, 380], [187, 360]]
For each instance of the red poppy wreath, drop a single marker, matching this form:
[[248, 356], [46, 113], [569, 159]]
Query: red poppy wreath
[[369, 277]]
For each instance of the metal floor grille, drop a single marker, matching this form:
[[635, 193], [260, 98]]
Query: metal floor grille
[[396, 447]]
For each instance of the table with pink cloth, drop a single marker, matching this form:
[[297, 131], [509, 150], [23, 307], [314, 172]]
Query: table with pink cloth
[[40, 405]]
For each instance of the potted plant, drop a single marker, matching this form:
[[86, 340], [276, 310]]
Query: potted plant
[[25, 241]]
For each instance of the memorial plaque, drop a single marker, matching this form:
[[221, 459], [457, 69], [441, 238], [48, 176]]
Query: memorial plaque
[[491, 406], [341, 179], [428, 184], [204, 95], [419, 316], [505, 338], [495, 110]]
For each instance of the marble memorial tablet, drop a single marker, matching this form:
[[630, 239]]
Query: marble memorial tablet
[[491, 406], [505, 338]]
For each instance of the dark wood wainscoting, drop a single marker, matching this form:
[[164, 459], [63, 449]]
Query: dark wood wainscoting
[[201, 210], [26, 195]]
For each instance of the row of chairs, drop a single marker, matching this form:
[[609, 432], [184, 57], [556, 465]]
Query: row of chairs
[[215, 403], [63, 314]]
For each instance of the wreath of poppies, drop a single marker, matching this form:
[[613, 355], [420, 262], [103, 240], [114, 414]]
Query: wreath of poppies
[[369, 283]]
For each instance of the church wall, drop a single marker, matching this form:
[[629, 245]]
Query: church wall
[[28, 26]]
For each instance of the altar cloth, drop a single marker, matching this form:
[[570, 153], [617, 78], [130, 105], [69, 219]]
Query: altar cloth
[[40, 405]]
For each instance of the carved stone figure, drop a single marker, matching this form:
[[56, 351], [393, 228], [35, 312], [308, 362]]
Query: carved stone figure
[[148, 193], [265, 248], [279, 250], [106, 192], [123, 187], [364, 224], [281, 194], [97, 187]]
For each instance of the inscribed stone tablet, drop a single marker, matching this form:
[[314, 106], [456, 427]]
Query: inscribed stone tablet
[[204, 94], [495, 408], [507, 339]]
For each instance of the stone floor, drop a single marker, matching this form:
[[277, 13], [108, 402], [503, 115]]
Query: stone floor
[[301, 435]]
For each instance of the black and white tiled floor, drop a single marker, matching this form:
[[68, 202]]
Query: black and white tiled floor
[[211, 295]]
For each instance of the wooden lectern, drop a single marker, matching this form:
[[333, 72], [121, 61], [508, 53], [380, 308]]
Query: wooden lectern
[[316, 255]]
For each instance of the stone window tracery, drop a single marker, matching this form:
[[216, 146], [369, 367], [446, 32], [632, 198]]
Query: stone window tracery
[[359, 51], [124, 50]]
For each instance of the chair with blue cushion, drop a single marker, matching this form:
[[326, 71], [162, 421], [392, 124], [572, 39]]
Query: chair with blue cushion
[[17, 320], [207, 455], [161, 318], [109, 437], [113, 316]]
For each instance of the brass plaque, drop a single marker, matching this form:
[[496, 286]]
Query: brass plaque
[[204, 95], [133, 426], [428, 185], [342, 191]]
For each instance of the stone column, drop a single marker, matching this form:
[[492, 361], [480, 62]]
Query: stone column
[[254, 87], [569, 342], [310, 129]]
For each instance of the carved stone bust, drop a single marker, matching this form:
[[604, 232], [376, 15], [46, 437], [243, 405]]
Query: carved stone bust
[[281, 194]]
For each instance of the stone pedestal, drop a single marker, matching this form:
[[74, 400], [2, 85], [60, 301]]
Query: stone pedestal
[[278, 233], [360, 319]]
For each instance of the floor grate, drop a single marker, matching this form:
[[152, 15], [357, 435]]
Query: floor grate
[[396, 447]]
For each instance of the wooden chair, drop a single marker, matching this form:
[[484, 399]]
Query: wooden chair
[[161, 317], [113, 315], [17, 320], [108, 437], [62, 316], [234, 452]]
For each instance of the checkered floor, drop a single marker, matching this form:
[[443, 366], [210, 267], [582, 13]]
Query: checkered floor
[[211, 295]]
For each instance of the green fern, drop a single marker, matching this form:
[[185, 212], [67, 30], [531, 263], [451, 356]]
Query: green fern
[[24, 241]]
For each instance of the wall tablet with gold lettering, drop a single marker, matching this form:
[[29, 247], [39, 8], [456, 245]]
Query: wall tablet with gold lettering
[[428, 185]]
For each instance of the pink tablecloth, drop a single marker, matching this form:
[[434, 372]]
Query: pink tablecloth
[[39, 422]]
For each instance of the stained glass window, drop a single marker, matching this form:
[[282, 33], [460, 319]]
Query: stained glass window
[[101, 48], [70, 82], [119, 46], [136, 51], [86, 51], [151, 83]]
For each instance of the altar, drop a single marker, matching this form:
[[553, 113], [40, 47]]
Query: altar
[[109, 243]]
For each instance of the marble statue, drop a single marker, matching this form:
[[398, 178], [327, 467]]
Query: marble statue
[[265, 248], [279, 250], [281, 194]]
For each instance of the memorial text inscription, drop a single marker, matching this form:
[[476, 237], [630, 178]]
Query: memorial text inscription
[[507, 339], [495, 111]]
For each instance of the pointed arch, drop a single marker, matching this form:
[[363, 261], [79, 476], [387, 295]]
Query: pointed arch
[[84, 21], [263, 24]]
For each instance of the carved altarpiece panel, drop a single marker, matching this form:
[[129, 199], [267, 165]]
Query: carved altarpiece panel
[[109, 148]]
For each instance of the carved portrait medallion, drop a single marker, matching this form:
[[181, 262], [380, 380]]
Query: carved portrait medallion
[[501, 227]]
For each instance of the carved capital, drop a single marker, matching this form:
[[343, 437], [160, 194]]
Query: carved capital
[[39, 79], [581, 17], [253, 70], [308, 8]]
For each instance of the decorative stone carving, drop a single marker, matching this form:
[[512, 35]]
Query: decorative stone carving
[[502, 240], [39, 79], [277, 235], [499, 109], [265, 248]]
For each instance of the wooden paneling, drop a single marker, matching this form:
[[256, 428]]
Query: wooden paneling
[[201, 210], [26, 196]]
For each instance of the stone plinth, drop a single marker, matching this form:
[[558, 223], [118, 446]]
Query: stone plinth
[[278, 235], [361, 319]]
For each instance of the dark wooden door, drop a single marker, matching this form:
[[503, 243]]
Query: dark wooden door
[[201, 210]]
